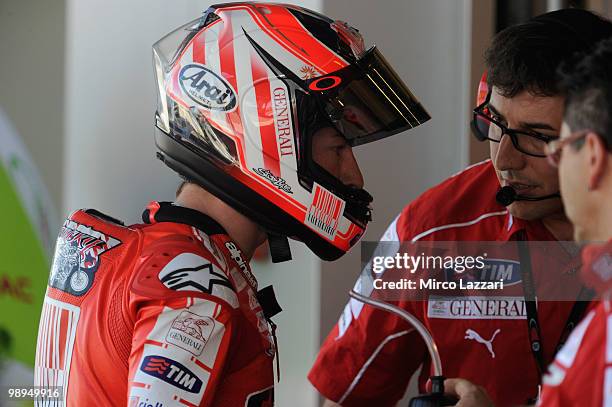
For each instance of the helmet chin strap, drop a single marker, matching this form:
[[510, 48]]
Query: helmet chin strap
[[279, 248]]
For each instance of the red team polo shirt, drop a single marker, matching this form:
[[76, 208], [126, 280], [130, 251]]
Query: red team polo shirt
[[370, 355], [581, 374], [161, 314]]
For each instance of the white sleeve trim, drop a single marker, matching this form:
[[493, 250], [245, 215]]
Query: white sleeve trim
[[389, 235], [457, 225], [369, 361]]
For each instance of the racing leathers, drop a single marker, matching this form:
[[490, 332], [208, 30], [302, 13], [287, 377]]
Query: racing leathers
[[163, 313], [370, 355]]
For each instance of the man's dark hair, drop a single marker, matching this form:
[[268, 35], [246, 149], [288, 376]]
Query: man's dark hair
[[526, 56], [586, 81]]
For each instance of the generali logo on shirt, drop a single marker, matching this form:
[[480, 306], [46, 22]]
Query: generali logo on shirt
[[476, 307], [190, 331]]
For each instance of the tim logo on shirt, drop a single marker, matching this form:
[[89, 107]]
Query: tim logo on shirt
[[172, 373], [508, 271]]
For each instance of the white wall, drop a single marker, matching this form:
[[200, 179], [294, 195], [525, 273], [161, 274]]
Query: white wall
[[32, 81], [428, 43], [110, 152], [110, 102]]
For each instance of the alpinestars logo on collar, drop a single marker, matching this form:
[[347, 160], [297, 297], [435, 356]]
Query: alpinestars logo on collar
[[203, 281], [191, 272]]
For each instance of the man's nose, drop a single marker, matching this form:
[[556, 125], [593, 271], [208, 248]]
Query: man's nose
[[351, 174], [508, 157]]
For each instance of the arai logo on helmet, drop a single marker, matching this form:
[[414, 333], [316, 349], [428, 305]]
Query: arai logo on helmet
[[206, 88]]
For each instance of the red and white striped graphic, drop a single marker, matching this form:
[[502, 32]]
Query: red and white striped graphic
[[205, 51], [279, 31], [324, 212], [254, 125], [261, 125], [245, 116], [265, 115], [223, 47], [56, 335]]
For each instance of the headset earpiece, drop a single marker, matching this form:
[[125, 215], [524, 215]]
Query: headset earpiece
[[483, 90]]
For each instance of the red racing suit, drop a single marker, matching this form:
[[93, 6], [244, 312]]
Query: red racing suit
[[159, 314], [370, 355], [581, 374]]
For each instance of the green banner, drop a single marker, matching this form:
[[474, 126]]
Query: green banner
[[28, 223]]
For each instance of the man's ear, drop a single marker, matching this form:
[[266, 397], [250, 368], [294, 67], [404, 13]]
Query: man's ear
[[599, 161]]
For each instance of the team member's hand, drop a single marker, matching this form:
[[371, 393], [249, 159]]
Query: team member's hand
[[469, 394]]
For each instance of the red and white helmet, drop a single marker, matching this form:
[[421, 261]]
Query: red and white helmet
[[241, 92]]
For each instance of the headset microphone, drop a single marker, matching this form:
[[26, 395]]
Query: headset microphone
[[507, 195]]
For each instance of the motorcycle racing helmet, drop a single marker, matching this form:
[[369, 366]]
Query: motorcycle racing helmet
[[243, 89]]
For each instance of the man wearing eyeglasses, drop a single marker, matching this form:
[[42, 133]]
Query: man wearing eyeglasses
[[370, 356], [581, 374]]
